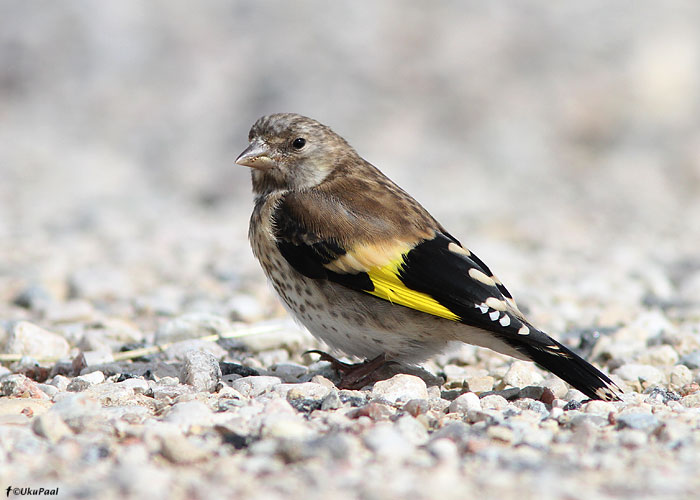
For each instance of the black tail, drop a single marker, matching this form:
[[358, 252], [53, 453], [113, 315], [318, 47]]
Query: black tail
[[571, 368]]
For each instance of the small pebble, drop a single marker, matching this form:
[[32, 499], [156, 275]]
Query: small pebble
[[646, 375], [680, 376], [522, 374], [201, 370], [416, 407], [192, 325], [466, 402], [255, 385], [691, 360], [480, 384], [331, 401], [493, 402], [640, 421], [308, 390], [51, 426], [401, 388], [28, 339]]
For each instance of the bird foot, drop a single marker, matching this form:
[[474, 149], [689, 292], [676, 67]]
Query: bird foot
[[354, 375]]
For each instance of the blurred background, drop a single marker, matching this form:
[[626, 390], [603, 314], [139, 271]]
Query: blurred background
[[539, 133]]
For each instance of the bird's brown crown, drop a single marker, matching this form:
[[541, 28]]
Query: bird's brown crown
[[290, 151]]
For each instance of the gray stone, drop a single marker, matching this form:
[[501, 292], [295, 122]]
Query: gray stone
[[182, 450], [331, 401], [438, 404], [51, 426], [169, 393], [110, 394], [201, 370], [444, 450], [189, 413], [244, 308], [34, 297], [465, 403], [29, 339], [307, 390], [20, 410], [96, 377], [691, 400], [78, 385], [47, 389], [190, 326], [288, 372], [99, 283], [557, 386], [645, 374], [576, 419], [138, 385], [178, 350], [286, 427], [60, 382], [632, 438], [532, 392], [501, 433], [81, 413], [417, 407], [494, 402], [385, 440], [70, 311], [532, 405], [169, 380], [480, 384], [277, 334], [602, 408], [659, 355], [19, 386], [255, 385], [680, 376], [94, 358], [640, 421], [335, 446], [522, 374], [691, 360], [401, 387]]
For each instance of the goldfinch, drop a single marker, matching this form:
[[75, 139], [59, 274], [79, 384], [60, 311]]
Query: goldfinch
[[369, 271]]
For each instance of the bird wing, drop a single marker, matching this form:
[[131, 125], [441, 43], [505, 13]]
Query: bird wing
[[429, 271], [425, 269]]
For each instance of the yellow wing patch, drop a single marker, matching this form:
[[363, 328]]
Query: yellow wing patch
[[371, 259], [388, 286]]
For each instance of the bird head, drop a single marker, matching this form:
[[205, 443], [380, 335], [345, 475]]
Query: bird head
[[291, 152]]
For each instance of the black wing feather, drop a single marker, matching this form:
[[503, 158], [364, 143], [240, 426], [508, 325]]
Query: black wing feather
[[433, 269]]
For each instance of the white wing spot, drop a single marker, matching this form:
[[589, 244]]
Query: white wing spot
[[505, 320], [524, 330], [496, 304], [604, 393], [455, 248], [477, 275], [483, 308], [494, 315]]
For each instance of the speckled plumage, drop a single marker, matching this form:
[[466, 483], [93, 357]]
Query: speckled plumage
[[368, 270]]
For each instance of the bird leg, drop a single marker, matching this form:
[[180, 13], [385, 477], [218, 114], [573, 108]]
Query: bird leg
[[354, 375]]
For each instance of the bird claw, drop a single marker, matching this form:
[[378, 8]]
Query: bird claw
[[354, 375], [336, 363]]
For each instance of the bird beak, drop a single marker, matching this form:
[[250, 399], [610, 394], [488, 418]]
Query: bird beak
[[256, 156]]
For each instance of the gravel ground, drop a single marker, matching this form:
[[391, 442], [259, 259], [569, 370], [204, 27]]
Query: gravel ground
[[142, 352]]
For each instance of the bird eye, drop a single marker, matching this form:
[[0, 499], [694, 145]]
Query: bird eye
[[298, 143]]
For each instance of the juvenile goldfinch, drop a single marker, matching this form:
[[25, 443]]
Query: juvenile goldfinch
[[369, 271]]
